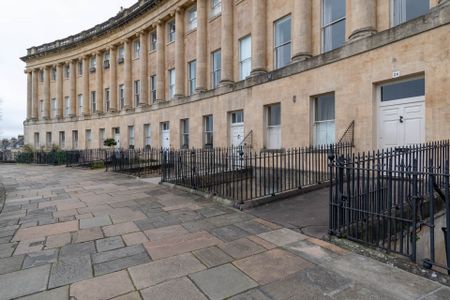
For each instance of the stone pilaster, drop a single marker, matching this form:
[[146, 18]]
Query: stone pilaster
[[128, 85], [302, 30], [59, 90], [86, 96], [35, 95], [99, 82], [259, 37], [29, 94], [227, 42], [144, 99], [46, 112], [113, 78], [202, 56], [160, 61], [363, 18], [73, 88], [179, 53]]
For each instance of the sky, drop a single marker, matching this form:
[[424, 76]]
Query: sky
[[27, 23]]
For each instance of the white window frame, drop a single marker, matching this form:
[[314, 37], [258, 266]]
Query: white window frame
[[208, 133], [172, 79], [272, 129], [36, 140], [74, 139], [331, 123], [171, 28], [137, 92], [323, 26], [153, 87], [192, 81], [153, 40], [101, 137], [80, 103], [80, 68], [54, 104], [243, 61], [278, 48], [216, 7], [62, 139], [131, 136], [94, 101], [402, 18], [147, 135], [88, 138], [216, 70], [137, 48], [67, 71], [48, 139], [66, 106], [122, 96], [184, 133], [107, 99], [191, 18]]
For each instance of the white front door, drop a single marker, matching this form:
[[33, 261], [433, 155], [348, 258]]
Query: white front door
[[402, 122], [165, 135], [117, 137], [236, 134]]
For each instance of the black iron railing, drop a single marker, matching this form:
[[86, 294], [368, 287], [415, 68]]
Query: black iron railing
[[390, 199], [240, 174], [138, 162]]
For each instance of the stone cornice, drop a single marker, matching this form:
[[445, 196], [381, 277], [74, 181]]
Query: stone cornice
[[122, 18]]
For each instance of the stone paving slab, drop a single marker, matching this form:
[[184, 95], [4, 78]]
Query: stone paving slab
[[185, 290], [100, 235], [223, 281], [23, 282], [105, 287]]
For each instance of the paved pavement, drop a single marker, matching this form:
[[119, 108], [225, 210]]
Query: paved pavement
[[307, 213], [93, 235]]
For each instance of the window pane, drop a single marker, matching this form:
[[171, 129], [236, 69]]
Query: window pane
[[274, 113], [334, 36], [324, 108], [333, 10], [407, 89], [246, 48], [283, 31], [283, 55]]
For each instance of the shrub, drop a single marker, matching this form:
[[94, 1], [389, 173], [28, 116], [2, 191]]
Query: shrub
[[110, 142], [99, 164]]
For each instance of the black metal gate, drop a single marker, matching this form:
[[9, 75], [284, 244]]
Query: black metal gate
[[387, 198]]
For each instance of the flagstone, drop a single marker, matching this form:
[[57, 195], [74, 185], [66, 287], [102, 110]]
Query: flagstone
[[45, 230]]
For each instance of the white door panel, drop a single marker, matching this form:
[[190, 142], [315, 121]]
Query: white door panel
[[401, 123], [236, 134], [165, 136]]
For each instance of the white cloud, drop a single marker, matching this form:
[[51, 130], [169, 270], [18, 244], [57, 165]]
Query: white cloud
[[30, 23]]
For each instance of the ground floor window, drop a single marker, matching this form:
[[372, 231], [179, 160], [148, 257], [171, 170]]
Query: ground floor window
[[48, 139], [273, 123], [131, 137], [88, 138], [36, 140], [62, 139], [101, 137], [184, 133], [208, 139], [324, 119], [147, 135], [75, 139]]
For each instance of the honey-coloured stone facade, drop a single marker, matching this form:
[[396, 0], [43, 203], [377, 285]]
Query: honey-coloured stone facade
[[373, 51]]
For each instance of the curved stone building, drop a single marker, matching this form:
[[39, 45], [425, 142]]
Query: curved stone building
[[282, 73]]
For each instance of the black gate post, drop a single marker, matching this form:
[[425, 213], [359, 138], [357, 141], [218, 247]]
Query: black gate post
[[331, 165]]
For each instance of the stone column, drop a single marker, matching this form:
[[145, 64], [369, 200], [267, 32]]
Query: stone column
[[227, 42], [73, 88], [128, 86], [59, 90], [29, 94], [202, 56], [113, 78], [160, 61], [302, 30], [143, 38], [99, 82], [86, 107], [35, 95], [259, 37], [46, 113], [179, 53], [363, 18]]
